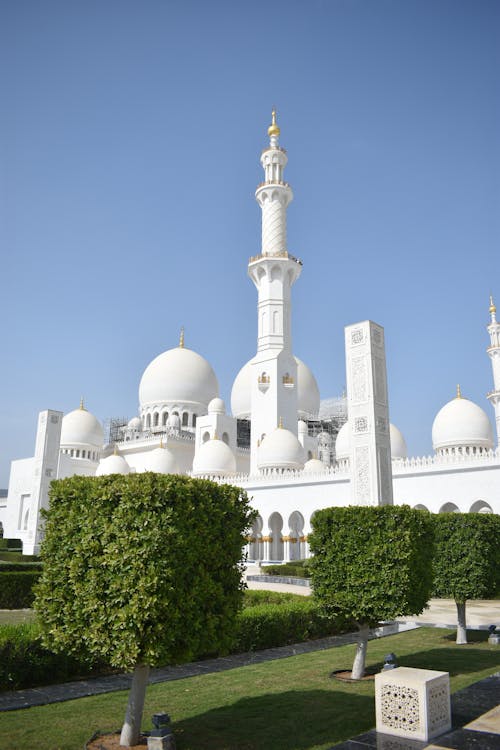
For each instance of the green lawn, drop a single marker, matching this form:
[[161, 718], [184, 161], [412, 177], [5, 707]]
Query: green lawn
[[16, 616], [288, 704]]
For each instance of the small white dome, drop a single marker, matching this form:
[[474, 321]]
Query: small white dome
[[307, 392], [113, 464], [461, 423], [324, 438], [135, 424], [216, 406], [281, 450], [214, 458], [398, 443], [162, 461], [314, 466], [178, 376], [80, 427], [174, 422], [343, 442]]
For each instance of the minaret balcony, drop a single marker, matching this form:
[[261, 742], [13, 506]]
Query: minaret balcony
[[264, 382], [273, 182], [284, 254], [493, 396]]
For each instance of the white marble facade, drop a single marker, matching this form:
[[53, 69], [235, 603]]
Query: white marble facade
[[271, 444]]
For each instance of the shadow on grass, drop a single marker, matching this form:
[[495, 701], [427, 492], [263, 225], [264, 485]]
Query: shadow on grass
[[293, 720], [473, 636], [462, 660]]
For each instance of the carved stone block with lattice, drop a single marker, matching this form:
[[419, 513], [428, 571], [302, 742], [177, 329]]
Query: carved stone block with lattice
[[413, 703]]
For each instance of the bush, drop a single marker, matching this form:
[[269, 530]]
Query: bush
[[292, 569], [253, 597], [12, 544], [17, 557], [271, 625], [25, 662], [16, 588], [269, 619]]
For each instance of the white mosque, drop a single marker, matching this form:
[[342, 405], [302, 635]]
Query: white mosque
[[289, 451]]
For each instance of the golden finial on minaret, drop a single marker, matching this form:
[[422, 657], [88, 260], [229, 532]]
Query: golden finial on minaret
[[459, 392], [273, 128], [82, 405], [280, 425], [181, 338], [493, 308]]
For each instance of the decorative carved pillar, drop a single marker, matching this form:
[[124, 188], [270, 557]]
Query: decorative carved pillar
[[266, 548]]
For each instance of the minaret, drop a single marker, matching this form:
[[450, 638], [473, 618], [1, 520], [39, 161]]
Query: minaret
[[274, 369], [494, 353]]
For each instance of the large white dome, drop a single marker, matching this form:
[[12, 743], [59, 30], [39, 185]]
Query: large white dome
[[461, 424], [343, 442], [314, 466], [307, 392], [80, 427], [214, 458], [178, 376], [281, 450]]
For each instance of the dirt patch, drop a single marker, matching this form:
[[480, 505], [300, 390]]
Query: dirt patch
[[345, 676], [112, 742]]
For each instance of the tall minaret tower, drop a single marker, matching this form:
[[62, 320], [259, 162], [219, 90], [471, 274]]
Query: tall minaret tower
[[274, 369], [494, 353]]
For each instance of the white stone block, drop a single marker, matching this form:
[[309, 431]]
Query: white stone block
[[413, 703]]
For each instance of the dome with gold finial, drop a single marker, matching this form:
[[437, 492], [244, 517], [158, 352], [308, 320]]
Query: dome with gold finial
[[280, 450], [114, 464], [461, 426], [81, 429], [273, 128], [179, 376]]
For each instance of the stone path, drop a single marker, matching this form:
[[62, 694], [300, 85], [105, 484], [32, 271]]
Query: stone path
[[16, 699]]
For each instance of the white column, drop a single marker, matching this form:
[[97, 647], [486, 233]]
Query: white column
[[368, 409], [48, 439]]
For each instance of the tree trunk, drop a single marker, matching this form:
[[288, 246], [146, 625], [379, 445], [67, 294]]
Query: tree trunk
[[133, 715], [358, 667], [461, 626]]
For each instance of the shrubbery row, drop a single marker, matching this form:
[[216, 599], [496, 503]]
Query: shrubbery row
[[268, 620], [16, 586]]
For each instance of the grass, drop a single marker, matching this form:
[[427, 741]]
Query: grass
[[287, 704], [16, 616]]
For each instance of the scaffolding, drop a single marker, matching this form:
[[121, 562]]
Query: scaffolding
[[113, 429]]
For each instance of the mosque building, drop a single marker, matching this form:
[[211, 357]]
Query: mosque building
[[290, 451]]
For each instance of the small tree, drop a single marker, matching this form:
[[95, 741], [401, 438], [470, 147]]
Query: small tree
[[467, 560], [371, 564], [141, 570]]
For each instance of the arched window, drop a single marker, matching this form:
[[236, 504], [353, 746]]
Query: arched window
[[206, 436], [156, 418], [164, 418], [185, 419], [225, 438], [148, 421], [193, 420]]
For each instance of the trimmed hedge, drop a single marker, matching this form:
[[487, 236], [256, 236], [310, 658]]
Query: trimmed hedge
[[18, 557], [13, 544], [293, 570], [271, 625], [16, 588], [269, 619], [25, 662]]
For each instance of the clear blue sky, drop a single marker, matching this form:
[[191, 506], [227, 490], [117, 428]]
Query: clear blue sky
[[130, 135]]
